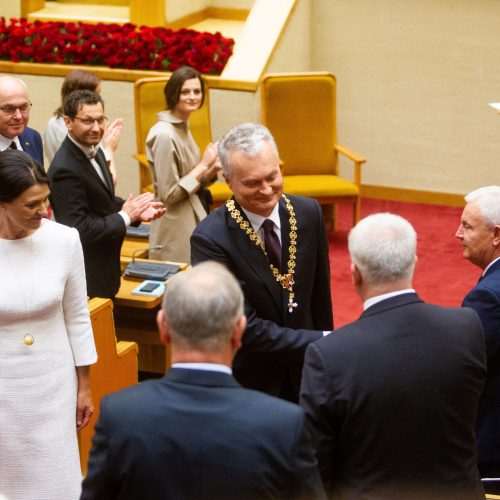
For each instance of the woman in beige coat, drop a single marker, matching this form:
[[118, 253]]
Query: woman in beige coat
[[179, 175]]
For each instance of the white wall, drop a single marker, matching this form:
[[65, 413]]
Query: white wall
[[175, 9], [293, 53], [10, 8], [414, 80], [232, 4]]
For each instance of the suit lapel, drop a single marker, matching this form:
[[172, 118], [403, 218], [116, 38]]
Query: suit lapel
[[254, 257], [26, 144], [101, 160]]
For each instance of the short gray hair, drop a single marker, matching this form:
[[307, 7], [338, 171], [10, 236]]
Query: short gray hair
[[248, 138], [488, 200], [383, 248], [202, 305]]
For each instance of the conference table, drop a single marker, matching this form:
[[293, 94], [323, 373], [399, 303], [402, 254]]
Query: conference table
[[135, 315]]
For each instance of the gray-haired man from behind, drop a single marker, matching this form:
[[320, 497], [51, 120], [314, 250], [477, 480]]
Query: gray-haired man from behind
[[392, 397], [196, 433]]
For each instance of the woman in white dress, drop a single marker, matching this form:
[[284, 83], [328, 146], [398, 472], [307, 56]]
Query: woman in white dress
[[56, 131], [179, 175], [46, 341]]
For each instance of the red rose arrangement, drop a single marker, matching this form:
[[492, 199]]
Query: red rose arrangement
[[114, 45]]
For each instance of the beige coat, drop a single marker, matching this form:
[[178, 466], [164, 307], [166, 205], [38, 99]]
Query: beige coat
[[172, 154]]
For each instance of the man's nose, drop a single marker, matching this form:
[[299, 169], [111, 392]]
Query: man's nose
[[266, 188]]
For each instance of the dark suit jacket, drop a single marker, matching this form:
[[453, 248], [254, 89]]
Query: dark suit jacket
[[80, 199], [274, 342], [31, 142], [484, 298], [197, 434], [392, 401]]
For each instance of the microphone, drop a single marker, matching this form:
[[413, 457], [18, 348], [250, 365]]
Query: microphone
[[149, 270], [136, 251]]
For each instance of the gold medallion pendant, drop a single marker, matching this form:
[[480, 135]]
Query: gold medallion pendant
[[285, 280], [28, 339]]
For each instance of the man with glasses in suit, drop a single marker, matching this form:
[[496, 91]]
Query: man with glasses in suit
[[14, 117], [83, 195]]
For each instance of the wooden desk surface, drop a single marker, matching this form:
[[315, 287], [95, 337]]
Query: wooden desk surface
[[131, 245], [124, 297]]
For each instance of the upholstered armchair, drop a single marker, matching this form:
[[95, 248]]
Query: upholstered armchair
[[300, 111]]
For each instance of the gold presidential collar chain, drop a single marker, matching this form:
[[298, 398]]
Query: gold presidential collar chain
[[285, 280]]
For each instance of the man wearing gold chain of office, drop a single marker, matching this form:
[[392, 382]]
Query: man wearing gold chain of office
[[276, 246]]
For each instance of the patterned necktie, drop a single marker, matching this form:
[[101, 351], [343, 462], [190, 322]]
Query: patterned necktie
[[91, 153], [272, 243]]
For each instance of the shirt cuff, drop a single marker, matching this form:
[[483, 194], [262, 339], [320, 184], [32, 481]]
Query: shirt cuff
[[326, 332], [125, 217]]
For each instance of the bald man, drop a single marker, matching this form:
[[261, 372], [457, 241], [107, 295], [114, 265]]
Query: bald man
[[14, 117]]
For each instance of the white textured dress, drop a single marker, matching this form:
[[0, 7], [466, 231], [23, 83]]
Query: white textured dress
[[44, 274]]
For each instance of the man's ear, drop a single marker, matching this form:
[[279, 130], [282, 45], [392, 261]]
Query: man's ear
[[356, 275], [161, 321], [226, 178], [496, 235], [67, 121], [238, 331]]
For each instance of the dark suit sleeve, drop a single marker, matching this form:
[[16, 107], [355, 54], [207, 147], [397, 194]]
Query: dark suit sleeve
[[72, 207], [324, 414], [321, 306], [308, 482], [98, 484], [31, 142], [487, 305], [38, 148], [261, 334]]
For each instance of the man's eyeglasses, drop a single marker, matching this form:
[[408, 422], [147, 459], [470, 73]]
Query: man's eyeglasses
[[90, 121], [9, 109]]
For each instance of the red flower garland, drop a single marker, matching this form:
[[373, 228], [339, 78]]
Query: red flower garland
[[114, 45]]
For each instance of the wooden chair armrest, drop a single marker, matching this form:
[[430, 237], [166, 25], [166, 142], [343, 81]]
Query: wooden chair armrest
[[123, 348], [142, 159], [349, 153], [356, 158]]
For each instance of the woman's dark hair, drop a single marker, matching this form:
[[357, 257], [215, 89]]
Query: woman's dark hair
[[18, 172], [172, 89], [78, 79]]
